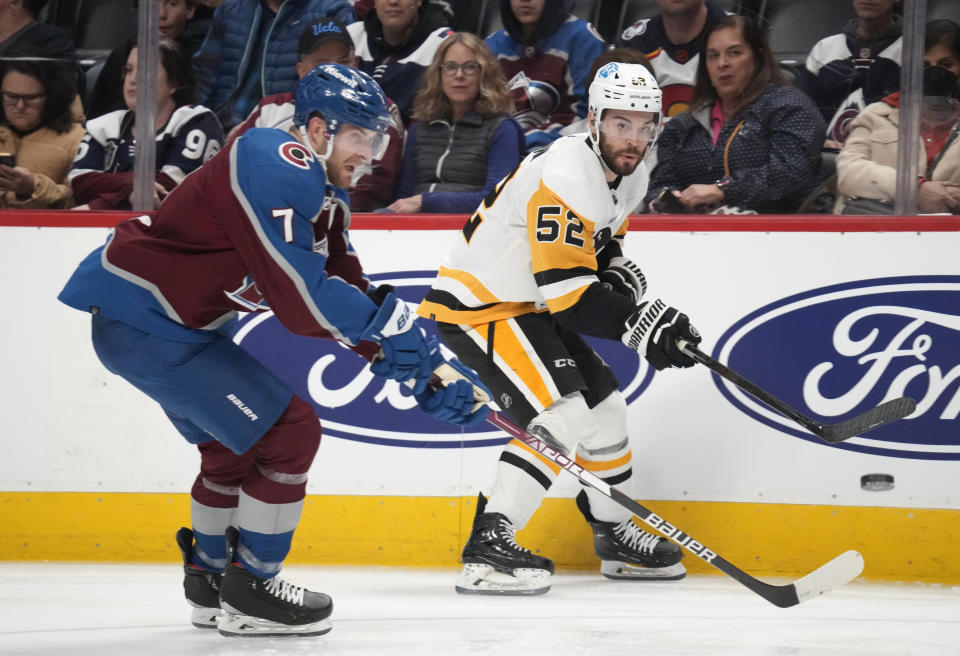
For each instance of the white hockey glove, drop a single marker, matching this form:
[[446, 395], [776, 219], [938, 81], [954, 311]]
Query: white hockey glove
[[625, 277], [654, 330]]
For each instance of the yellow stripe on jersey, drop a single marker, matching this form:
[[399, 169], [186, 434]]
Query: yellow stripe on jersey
[[605, 465], [513, 353], [469, 281], [438, 312], [561, 303], [492, 309]]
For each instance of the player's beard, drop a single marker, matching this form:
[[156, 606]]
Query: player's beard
[[610, 155]]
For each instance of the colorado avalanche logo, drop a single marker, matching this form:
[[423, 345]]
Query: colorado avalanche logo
[[354, 404], [296, 154], [851, 347], [638, 28], [536, 100], [840, 129]]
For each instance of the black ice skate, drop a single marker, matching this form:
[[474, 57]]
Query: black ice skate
[[253, 606], [200, 587], [628, 553], [493, 562]]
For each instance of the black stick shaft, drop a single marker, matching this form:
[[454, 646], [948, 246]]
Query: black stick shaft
[[885, 413], [752, 388]]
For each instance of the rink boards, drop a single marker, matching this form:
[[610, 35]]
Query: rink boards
[[831, 322]]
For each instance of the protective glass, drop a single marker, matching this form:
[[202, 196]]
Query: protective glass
[[614, 124], [360, 141]]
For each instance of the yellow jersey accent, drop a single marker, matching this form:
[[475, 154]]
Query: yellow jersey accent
[[535, 248], [596, 466]]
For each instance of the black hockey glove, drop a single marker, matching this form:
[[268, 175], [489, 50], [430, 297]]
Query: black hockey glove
[[654, 330], [625, 278]]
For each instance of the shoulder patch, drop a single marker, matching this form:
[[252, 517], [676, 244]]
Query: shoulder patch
[[636, 29], [297, 154]]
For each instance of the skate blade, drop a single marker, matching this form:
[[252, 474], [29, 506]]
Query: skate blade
[[205, 618], [485, 580], [621, 571], [234, 625]]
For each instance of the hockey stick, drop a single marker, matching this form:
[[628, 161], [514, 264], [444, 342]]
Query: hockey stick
[[842, 569], [884, 413]]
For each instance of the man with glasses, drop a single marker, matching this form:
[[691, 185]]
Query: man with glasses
[[539, 265], [261, 226]]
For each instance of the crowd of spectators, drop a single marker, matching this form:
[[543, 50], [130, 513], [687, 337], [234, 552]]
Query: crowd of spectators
[[741, 131]]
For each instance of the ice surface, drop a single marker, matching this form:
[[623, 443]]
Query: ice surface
[[55, 609]]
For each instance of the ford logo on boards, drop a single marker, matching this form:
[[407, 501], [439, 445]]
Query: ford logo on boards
[[837, 351], [354, 404]]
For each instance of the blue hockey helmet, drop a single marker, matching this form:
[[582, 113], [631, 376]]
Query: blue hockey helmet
[[341, 95]]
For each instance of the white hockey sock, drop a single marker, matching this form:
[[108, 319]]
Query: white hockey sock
[[522, 481], [614, 465]]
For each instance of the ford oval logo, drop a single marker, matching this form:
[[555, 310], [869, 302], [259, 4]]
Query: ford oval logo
[[354, 404], [837, 351]]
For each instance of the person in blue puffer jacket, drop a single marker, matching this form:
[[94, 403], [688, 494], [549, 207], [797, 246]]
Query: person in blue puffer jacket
[[251, 52], [545, 52]]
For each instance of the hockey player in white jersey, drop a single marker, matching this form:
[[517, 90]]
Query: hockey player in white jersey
[[539, 264]]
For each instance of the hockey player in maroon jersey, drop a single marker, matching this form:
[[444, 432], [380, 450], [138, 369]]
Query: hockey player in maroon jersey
[[263, 225]]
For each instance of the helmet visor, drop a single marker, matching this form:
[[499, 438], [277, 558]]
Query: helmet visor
[[639, 127], [355, 140]]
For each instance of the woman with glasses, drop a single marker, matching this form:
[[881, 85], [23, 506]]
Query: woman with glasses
[[39, 134], [749, 142], [187, 135], [463, 140]]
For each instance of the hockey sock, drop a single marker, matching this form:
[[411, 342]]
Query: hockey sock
[[271, 496], [523, 478], [213, 502], [613, 464]]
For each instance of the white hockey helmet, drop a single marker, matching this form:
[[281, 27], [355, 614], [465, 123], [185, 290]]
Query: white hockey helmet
[[629, 87]]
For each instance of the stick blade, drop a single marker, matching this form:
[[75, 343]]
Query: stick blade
[[884, 413], [839, 571]]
